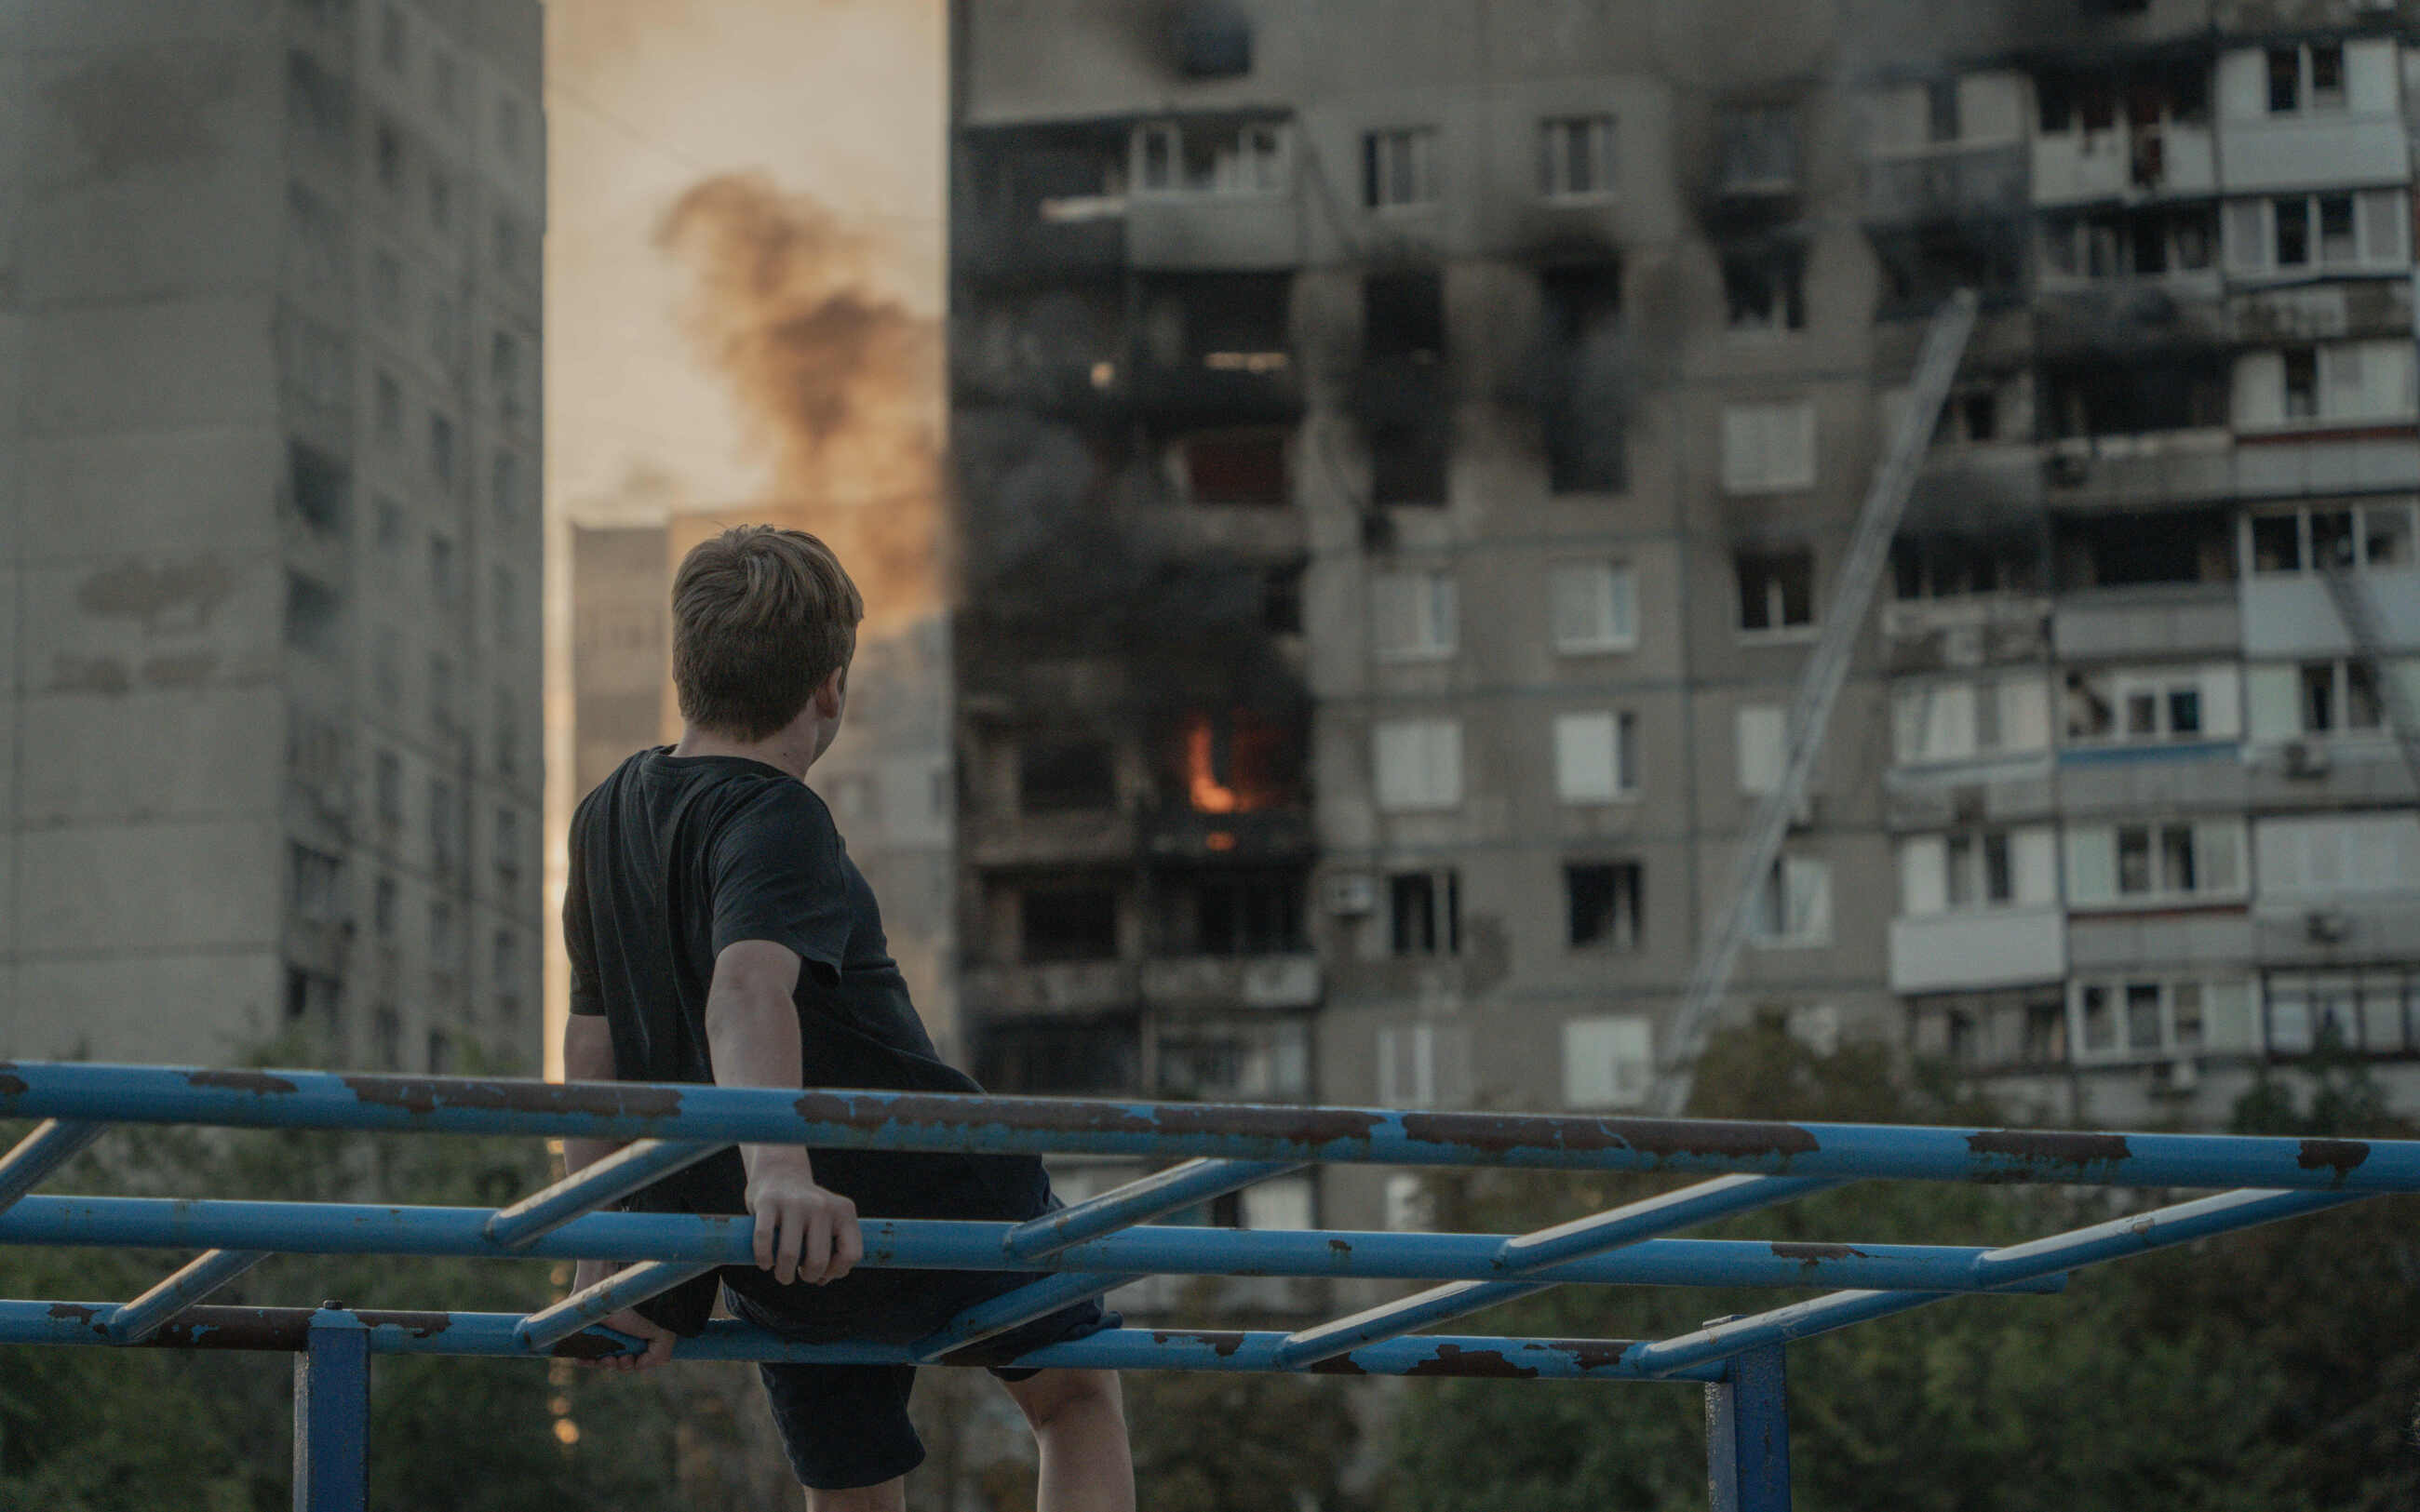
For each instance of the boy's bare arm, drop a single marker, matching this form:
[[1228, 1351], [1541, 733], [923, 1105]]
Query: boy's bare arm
[[804, 1232]]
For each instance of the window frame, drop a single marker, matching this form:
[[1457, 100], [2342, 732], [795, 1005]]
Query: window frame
[[1555, 136], [1408, 153]]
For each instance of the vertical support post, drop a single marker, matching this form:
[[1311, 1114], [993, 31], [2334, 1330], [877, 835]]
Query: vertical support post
[[332, 1415], [1747, 1433]]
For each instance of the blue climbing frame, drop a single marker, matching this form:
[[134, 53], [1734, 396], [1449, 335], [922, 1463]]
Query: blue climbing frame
[[1100, 1244]]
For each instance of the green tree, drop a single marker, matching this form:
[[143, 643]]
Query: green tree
[[2262, 1371]]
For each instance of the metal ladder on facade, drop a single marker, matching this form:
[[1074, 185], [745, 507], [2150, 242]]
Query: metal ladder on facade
[[1819, 688], [2359, 612]]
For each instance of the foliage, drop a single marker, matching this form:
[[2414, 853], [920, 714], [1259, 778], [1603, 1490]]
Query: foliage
[[2266, 1371], [102, 1430]]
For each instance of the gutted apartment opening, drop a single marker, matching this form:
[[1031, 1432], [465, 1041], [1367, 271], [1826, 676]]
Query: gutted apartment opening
[[1236, 760], [2131, 243], [1240, 910], [1947, 564], [2118, 392], [1067, 920], [2137, 548], [1244, 467], [1061, 775], [1042, 201], [1584, 410], [1401, 397], [1058, 1058], [1923, 265], [1215, 348], [1777, 588], [1757, 148]]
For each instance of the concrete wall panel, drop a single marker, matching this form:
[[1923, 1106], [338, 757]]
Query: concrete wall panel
[[141, 887], [150, 755], [153, 366], [151, 621], [110, 23], [172, 491], [197, 1009]]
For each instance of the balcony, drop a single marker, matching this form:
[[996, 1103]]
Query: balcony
[[1213, 233], [2078, 317], [2011, 790], [2139, 471], [2126, 162], [1266, 834], [1049, 839], [2290, 152], [1269, 981], [1976, 630], [1062, 987], [1951, 182], [2154, 621], [2210, 937], [2005, 947], [2335, 932]]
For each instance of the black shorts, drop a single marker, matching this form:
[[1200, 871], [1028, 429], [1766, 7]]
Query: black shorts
[[846, 1426]]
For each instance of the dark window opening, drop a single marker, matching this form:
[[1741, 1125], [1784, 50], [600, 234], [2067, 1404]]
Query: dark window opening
[[1069, 924], [1213, 39], [1403, 397], [1585, 410], [1246, 911], [1759, 147], [314, 616], [1245, 467], [1224, 322], [2285, 79], [1951, 566], [1766, 287], [1604, 905], [1924, 265], [1058, 1059], [2195, 545], [1941, 111], [2113, 398], [2301, 382], [1425, 910], [1060, 776], [1776, 589], [320, 484], [1282, 599]]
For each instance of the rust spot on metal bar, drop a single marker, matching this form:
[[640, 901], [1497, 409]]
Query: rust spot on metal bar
[[419, 1325], [258, 1082], [586, 1346], [2042, 1151], [1661, 1137], [11, 1085], [1336, 1364], [1594, 1355], [1221, 1343], [1341, 1247], [1298, 1126], [76, 1310], [1453, 1359], [2342, 1154], [1811, 1256], [426, 1094]]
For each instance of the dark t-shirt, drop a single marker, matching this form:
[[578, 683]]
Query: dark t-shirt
[[673, 859]]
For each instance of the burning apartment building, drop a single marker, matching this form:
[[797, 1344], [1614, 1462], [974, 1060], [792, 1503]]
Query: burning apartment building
[[269, 549], [1406, 452]]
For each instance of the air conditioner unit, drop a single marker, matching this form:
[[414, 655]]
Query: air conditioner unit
[[2327, 926], [1350, 895], [2306, 759], [2176, 1078]]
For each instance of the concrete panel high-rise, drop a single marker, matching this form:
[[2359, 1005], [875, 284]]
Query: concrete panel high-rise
[[270, 547]]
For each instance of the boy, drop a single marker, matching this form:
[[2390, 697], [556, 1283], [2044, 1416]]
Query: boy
[[719, 932]]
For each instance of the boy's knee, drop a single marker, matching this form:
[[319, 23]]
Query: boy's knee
[[1055, 1393]]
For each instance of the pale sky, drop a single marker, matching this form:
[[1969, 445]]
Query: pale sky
[[843, 101]]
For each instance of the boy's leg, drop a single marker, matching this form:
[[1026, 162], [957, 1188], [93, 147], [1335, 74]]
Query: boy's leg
[[891, 1496], [1078, 1418]]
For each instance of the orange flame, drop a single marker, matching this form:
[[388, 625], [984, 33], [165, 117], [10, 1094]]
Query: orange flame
[[1208, 795]]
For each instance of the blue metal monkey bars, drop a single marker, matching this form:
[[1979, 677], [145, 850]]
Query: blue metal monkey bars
[[1099, 1244]]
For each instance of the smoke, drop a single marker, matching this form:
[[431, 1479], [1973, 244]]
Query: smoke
[[838, 381]]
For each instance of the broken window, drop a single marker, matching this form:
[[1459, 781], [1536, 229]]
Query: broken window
[[1068, 923], [1233, 911], [1424, 913], [1603, 904], [1066, 776], [1576, 156], [2130, 550], [1403, 395], [1760, 148], [1399, 167], [1235, 466], [1764, 288], [2106, 397], [1058, 1058], [1776, 589], [314, 616], [1586, 410]]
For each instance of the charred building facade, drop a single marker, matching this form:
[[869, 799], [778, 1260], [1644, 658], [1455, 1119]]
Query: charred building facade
[[1404, 452], [269, 549]]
